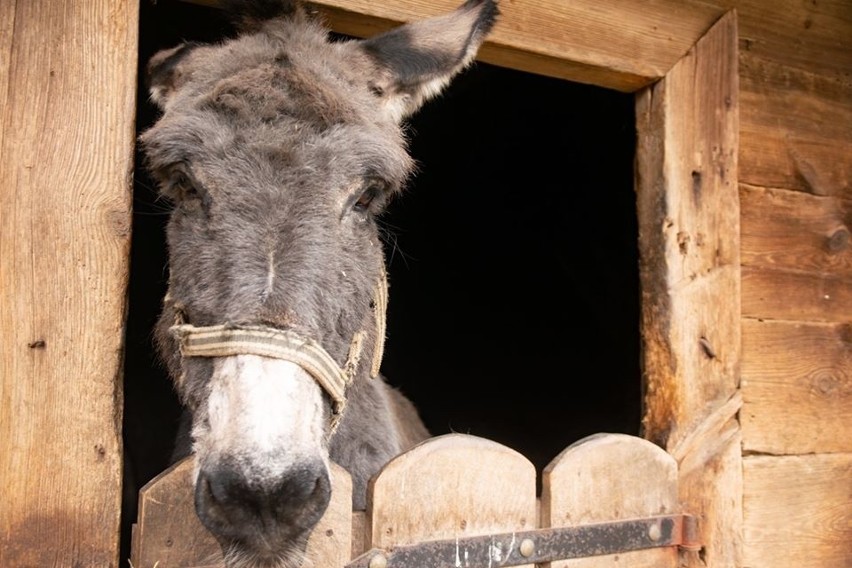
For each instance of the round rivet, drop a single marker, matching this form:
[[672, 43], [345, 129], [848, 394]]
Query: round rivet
[[378, 561], [527, 547], [654, 532]]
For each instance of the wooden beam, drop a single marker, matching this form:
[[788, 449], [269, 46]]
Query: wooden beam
[[623, 45], [797, 510], [809, 36], [67, 102], [790, 230], [797, 398], [796, 128], [688, 210], [795, 296]]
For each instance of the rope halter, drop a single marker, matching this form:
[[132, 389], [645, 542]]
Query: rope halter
[[229, 339]]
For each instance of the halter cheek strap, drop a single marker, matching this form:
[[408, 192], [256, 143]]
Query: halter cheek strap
[[227, 340]]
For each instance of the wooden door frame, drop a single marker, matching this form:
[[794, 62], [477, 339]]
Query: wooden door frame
[[680, 58], [685, 80]]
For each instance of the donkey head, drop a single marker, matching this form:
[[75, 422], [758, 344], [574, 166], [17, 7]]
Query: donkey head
[[279, 148]]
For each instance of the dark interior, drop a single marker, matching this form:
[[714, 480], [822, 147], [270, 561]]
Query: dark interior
[[512, 257]]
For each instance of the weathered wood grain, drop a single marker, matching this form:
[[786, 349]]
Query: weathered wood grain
[[796, 128], [609, 477], [451, 486], [622, 45], [797, 511], [168, 533], [688, 210], [795, 296], [790, 230], [710, 473], [815, 36], [797, 387], [67, 103]]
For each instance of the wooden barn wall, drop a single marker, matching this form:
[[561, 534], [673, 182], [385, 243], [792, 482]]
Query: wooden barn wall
[[795, 173], [67, 88], [796, 205], [67, 96]]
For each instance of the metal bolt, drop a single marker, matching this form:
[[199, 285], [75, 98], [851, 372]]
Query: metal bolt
[[654, 532], [378, 561], [527, 547]]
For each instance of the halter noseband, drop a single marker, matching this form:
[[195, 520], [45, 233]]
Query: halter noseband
[[227, 340]]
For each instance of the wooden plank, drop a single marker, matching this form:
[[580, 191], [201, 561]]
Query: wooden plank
[[688, 210], [797, 387], [795, 296], [68, 94], [789, 230], [169, 534], [622, 45], [797, 510], [710, 472], [796, 128], [451, 486], [811, 36], [584, 484]]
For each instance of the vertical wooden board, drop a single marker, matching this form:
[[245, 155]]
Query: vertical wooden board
[[688, 209], [609, 477], [689, 241], [168, 533], [451, 486], [67, 104], [797, 511], [797, 387], [710, 473], [331, 542]]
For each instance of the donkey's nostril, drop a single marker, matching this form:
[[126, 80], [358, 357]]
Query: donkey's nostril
[[235, 506]]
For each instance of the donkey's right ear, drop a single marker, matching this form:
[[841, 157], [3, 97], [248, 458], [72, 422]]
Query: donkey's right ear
[[166, 73]]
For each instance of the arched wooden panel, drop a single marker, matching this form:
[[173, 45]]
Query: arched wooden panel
[[610, 477], [452, 486]]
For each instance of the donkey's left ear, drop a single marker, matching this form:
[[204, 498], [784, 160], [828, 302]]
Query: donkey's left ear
[[416, 61]]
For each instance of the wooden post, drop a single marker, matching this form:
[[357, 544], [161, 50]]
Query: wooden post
[[689, 216], [67, 104]]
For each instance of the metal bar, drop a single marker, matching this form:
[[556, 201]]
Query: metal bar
[[536, 546]]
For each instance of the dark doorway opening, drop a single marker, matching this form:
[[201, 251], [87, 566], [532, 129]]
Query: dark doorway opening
[[512, 257]]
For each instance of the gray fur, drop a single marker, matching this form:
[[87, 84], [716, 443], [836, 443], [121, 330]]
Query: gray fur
[[270, 146]]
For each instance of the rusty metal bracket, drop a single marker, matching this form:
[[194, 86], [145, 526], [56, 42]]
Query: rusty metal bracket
[[536, 546]]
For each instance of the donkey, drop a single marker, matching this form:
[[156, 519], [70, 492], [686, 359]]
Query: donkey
[[279, 148]]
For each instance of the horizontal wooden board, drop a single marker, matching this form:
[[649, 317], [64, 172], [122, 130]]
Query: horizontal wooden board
[[810, 35], [796, 128], [790, 230], [67, 107], [795, 296], [622, 45], [797, 511], [797, 387]]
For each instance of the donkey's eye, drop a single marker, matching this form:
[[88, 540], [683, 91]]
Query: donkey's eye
[[367, 197], [183, 188]]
